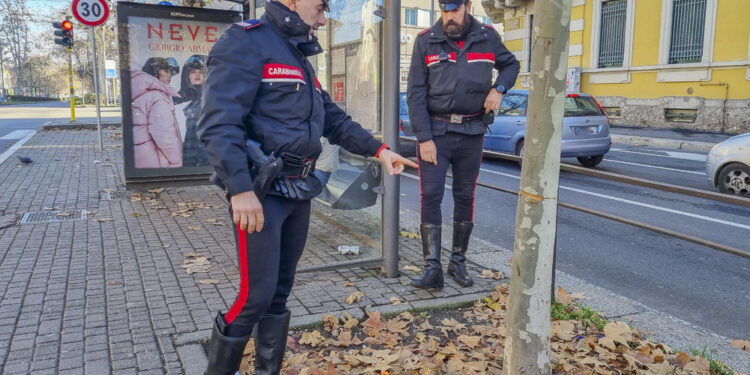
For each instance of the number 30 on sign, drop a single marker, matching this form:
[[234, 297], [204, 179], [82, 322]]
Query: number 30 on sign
[[91, 12]]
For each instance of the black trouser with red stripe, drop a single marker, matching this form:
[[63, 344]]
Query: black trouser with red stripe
[[464, 153], [268, 262]]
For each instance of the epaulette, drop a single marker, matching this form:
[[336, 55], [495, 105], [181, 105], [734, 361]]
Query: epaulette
[[487, 25], [248, 24], [424, 31]]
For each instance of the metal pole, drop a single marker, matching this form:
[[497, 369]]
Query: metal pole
[[104, 67], [96, 87], [72, 89], [390, 95], [432, 12]]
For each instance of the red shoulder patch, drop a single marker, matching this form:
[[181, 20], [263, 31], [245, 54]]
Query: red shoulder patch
[[487, 25], [424, 31]]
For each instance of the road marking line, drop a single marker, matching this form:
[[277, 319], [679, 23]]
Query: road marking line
[[670, 154], [695, 216], [16, 134], [654, 166], [5, 155]]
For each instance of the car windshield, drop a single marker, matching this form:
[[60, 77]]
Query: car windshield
[[513, 105], [581, 106], [403, 108]]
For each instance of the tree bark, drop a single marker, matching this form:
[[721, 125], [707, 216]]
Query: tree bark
[[527, 346]]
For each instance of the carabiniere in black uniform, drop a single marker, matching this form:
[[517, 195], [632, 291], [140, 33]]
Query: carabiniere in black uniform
[[261, 87], [449, 81]]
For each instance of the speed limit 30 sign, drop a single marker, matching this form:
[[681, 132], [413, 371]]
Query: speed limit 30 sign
[[91, 12]]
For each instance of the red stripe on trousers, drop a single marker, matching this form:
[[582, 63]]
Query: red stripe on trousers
[[421, 198], [244, 282]]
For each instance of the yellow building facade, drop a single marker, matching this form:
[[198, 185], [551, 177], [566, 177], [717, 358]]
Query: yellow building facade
[[656, 63]]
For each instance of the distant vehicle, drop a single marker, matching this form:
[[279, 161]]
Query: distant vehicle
[[585, 133], [728, 166], [404, 126]]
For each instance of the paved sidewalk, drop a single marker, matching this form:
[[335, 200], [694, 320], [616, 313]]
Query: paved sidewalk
[[666, 138], [92, 282]]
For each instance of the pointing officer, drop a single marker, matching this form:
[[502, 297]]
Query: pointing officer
[[451, 97], [261, 101]]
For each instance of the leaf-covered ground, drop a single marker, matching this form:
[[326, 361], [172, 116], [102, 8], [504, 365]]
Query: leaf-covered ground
[[470, 340]]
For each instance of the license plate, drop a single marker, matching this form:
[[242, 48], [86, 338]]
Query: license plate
[[592, 129]]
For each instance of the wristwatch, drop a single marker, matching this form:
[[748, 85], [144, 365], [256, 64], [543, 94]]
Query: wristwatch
[[500, 89]]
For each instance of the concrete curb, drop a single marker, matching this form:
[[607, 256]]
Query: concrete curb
[[52, 126], [662, 142]]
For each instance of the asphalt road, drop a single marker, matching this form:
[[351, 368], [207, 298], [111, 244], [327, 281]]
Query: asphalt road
[[18, 119], [705, 287]]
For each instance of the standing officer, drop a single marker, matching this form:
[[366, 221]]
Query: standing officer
[[449, 93], [261, 97]]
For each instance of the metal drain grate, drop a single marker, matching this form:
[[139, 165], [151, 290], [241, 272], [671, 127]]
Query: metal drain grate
[[112, 195], [51, 217]]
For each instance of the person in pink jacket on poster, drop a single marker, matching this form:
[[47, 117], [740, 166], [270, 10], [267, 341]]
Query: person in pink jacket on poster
[[157, 142]]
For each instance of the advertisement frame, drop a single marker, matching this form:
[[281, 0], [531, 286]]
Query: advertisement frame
[[125, 10]]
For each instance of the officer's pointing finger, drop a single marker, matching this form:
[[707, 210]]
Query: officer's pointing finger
[[409, 163]]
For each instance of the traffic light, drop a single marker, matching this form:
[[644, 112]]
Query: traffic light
[[65, 32]]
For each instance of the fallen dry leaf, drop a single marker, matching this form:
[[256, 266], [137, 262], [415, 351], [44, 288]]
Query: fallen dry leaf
[[349, 284], [412, 268], [395, 301], [490, 274], [194, 263], [741, 344], [195, 227], [330, 323], [208, 281], [470, 341], [618, 332], [354, 297], [408, 234], [156, 191], [136, 214], [565, 298], [313, 338]]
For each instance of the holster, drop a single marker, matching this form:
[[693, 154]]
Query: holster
[[263, 168], [287, 175]]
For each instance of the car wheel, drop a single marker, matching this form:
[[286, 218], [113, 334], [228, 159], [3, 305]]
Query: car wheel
[[590, 161], [520, 150], [734, 179]]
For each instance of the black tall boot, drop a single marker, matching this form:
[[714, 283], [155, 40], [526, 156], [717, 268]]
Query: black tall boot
[[224, 352], [270, 343], [432, 278], [457, 265]]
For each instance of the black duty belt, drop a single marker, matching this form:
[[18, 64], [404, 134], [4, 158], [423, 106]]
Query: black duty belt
[[457, 118], [296, 167]]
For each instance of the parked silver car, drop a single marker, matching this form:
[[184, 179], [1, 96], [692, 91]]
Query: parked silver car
[[728, 166], [585, 133]]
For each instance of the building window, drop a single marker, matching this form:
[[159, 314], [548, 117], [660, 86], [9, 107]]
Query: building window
[[612, 33], [688, 26], [410, 18], [423, 18]]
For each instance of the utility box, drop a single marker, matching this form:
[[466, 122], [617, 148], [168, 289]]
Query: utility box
[[573, 82]]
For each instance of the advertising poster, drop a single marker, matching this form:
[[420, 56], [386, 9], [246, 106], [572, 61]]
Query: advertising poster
[[163, 51]]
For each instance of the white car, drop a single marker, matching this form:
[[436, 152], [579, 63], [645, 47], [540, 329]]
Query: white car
[[728, 166]]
